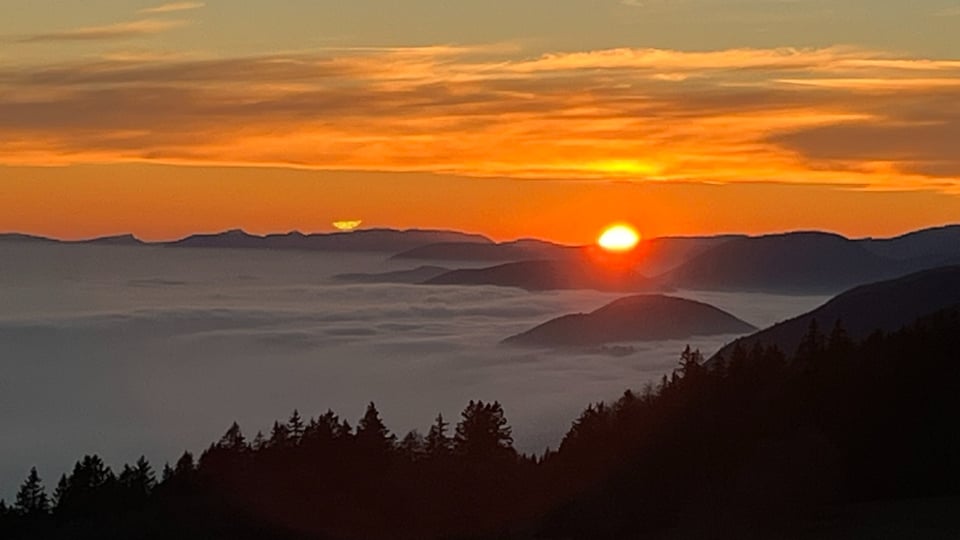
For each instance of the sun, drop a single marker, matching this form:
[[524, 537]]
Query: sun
[[347, 226], [619, 238]]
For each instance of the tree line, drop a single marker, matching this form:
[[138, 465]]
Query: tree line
[[758, 443]]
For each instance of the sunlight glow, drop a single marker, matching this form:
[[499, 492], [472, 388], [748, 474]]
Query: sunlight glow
[[619, 238], [347, 225], [625, 167]]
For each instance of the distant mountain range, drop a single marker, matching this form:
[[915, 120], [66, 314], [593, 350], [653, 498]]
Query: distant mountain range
[[792, 263], [369, 240], [887, 306], [650, 317]]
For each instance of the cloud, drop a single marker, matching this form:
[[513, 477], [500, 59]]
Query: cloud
[[117, 368], [173, 7], [123, 30], [635, 114]]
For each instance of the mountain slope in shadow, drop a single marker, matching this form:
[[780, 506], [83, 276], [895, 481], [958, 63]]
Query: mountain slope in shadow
[[650, 317], [931, 244], [518, 250], [658, 255], [550, 275], [886, 306], [803, 263], [654, 256]]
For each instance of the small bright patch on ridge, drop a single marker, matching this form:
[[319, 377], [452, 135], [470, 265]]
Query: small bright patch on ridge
[[619, 238], [347, 225]]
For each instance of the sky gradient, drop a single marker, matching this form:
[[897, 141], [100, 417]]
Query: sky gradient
[[530, 118]]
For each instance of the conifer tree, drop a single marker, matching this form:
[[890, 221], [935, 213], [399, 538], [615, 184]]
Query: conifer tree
[[413, 446], [280, 436], [372, 434], [63, 486], [812, 343], [438, 443], [483, 431], [167, 473], [138, 481], [185, 465], [295, 426], [233, 439], [32, 499], [259, 442]]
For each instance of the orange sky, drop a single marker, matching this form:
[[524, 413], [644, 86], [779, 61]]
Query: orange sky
[[126, 117], [165, 202]]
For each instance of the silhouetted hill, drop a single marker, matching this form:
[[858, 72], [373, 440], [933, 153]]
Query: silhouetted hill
[[370, 240], [18, 237], [519, 250], [802, 262], [886, 306], [118, 240], [235, 238], [650, 317], [550, 275], [415, 275], [932, 244]]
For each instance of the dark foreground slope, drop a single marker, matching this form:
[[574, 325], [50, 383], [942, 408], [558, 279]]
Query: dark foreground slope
[[635, 318], [886, 305]]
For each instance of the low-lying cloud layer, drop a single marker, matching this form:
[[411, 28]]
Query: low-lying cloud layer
[[129, 351], [836, 115]]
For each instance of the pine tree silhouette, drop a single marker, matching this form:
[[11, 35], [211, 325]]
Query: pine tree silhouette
[[295, 427], [280, 436], [372, 434], [438, 443], [185, 465], [483, 431], [137, 481], [413, 446], [32, 499], [233, 439]]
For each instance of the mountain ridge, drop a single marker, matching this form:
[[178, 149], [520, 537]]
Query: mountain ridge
[[884, 305]]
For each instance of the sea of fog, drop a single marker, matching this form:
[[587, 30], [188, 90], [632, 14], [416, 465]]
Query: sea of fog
[[123, 351]]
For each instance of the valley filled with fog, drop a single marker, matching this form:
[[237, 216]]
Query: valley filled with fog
[[123, 351]]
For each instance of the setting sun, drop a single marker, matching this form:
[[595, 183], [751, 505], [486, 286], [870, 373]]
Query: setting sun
[[619, 238]]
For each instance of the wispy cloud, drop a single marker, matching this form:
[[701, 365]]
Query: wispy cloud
[[645, 114], [173, 7], [122, 30]]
